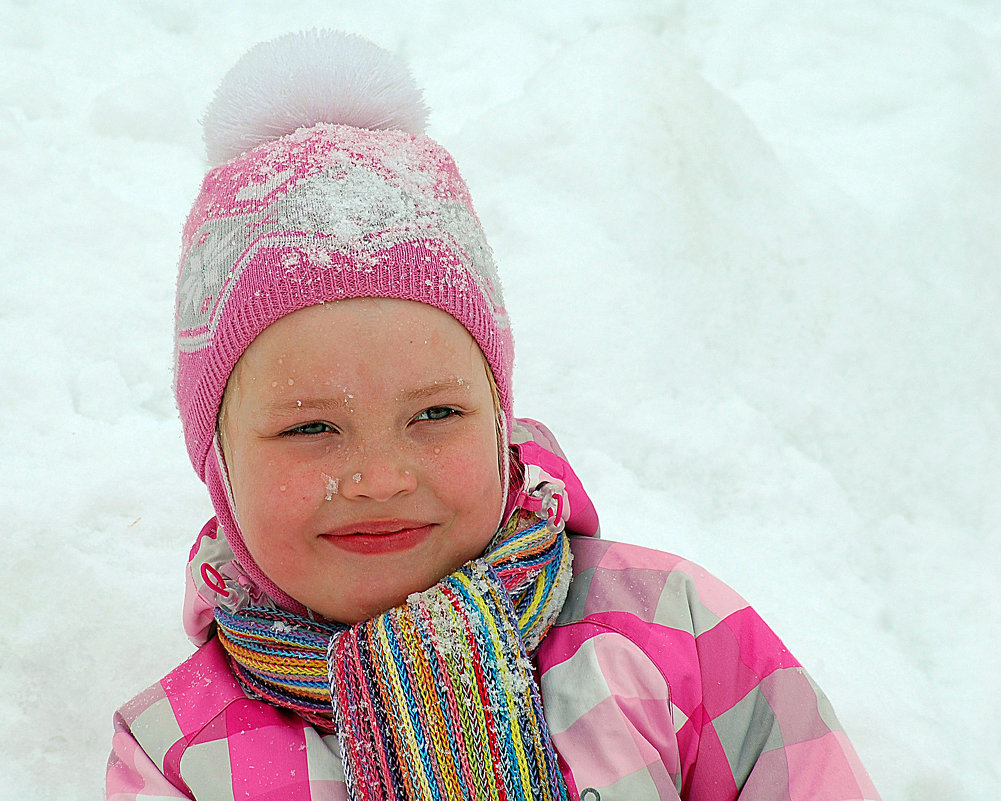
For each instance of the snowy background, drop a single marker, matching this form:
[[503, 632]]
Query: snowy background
[[751, 249]]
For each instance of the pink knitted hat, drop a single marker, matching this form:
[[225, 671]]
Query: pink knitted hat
[[326, 189]]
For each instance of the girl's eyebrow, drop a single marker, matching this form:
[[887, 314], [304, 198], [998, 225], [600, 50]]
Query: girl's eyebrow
[[313, 404], [419, 392], [433, 388]]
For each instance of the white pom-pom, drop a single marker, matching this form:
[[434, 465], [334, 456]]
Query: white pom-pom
[[302, 79]]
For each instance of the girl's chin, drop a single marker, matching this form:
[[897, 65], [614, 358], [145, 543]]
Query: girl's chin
[[350, 613], [369, 594]]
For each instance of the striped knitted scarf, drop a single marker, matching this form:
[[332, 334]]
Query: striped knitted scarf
[[436, 698]]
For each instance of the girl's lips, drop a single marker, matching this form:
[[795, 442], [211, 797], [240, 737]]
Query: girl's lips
[[380, 539]]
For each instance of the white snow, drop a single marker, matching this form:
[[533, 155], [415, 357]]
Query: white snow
[[751, 253]]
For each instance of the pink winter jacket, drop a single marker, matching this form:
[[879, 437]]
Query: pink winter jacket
[[658, 682]]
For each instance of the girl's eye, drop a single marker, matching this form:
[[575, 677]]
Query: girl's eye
[[308, 429], [437, 413]]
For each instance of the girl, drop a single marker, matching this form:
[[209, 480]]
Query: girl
[[402, 594]]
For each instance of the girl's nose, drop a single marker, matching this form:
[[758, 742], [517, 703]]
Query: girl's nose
[[379, 474]]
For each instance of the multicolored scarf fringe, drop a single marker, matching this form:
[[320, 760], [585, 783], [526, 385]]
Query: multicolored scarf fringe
[[435, 699]]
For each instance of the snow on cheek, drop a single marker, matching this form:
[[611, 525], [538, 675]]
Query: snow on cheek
[[331, 486]]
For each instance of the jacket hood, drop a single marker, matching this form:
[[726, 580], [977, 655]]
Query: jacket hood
[[545, 484]]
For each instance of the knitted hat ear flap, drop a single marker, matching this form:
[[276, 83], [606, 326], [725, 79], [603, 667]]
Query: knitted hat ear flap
[[221, 493]]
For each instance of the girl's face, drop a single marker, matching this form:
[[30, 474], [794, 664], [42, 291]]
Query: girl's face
[[361, 442]]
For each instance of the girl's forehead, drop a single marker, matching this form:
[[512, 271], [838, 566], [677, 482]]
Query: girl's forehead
[[399, 343]]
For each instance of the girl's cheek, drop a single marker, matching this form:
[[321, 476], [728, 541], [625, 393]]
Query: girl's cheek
[[285, 485], [470, 464]]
